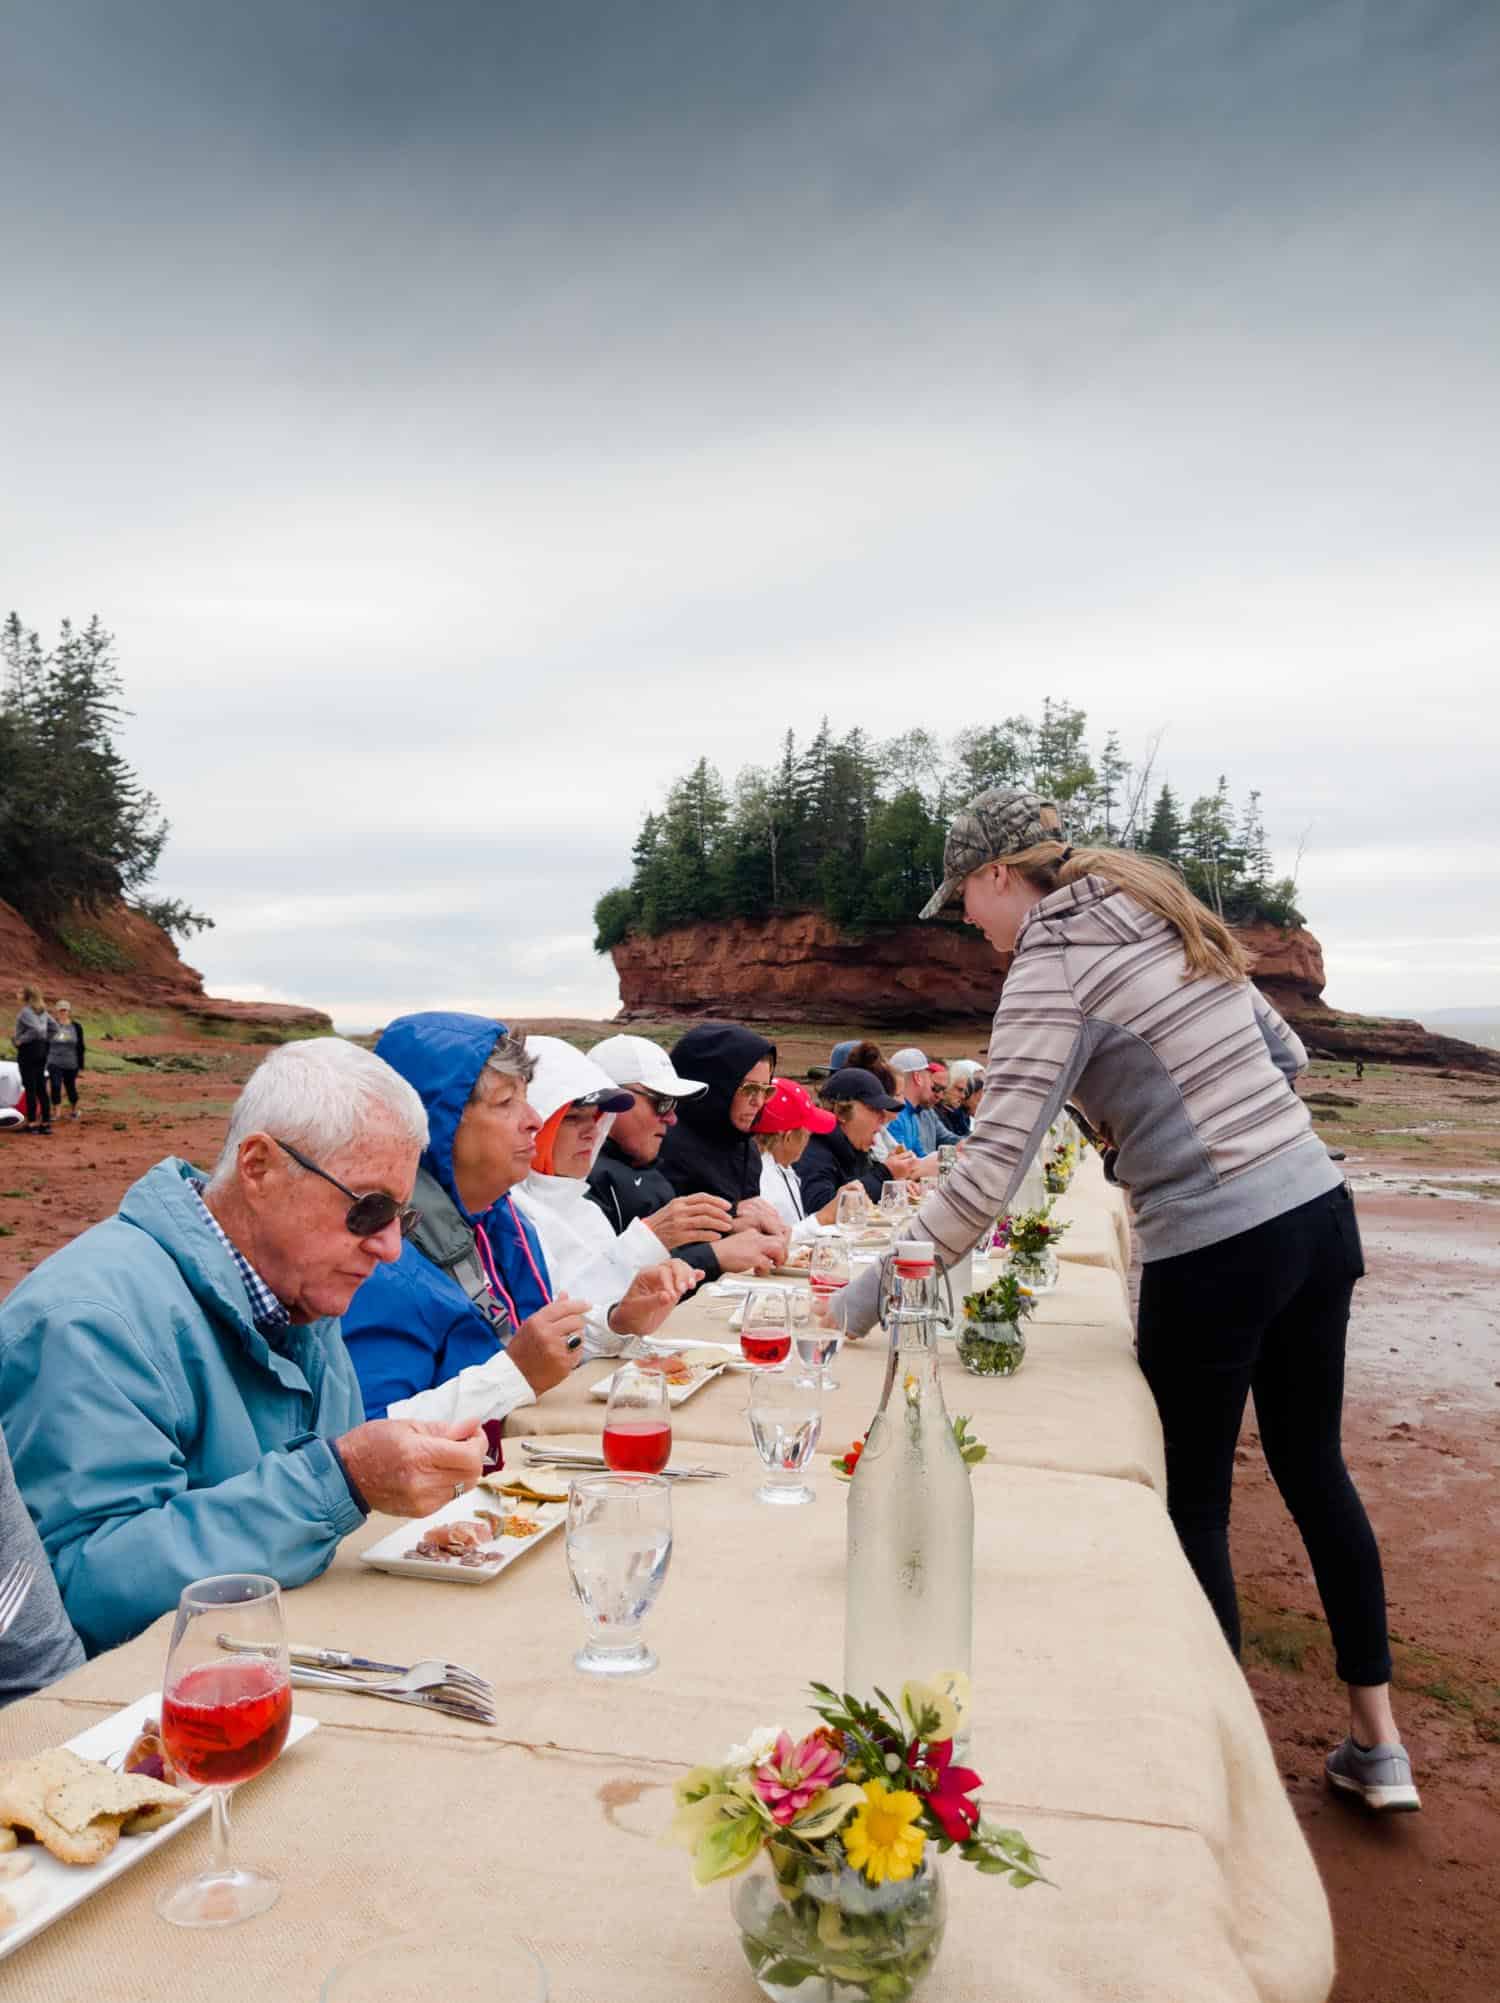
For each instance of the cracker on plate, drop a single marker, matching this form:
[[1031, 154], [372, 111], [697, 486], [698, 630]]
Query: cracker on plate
[[78, 1807]]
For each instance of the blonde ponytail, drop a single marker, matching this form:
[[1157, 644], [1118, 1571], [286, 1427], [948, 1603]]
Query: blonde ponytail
[[1208, 945]]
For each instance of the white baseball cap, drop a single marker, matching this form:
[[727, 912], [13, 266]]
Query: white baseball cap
[[636, 1060], [910, 1059]]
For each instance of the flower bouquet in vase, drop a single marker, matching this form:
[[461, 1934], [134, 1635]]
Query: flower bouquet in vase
[[834, 1839], [993, 1341], [1029, 1239]]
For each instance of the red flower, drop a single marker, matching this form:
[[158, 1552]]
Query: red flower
[[949, 1801], [850, 1460]]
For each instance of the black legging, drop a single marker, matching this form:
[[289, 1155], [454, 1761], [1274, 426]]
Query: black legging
[[32, 1060], [63, 1081], [1267, 1311]]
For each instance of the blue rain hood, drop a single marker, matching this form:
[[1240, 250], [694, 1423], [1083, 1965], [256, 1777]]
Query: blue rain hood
[[440, 1054]]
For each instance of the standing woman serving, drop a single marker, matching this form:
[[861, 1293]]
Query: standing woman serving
[[1130, 998], [65, 1054], [33, 1036]]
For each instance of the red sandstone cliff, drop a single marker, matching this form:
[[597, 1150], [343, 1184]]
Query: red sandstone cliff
[[804, 969], [148, 974]]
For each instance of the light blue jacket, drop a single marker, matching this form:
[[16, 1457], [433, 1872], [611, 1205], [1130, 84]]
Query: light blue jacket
[[156, 1436]]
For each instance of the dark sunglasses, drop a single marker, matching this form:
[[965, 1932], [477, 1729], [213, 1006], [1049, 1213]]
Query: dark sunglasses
[[366, 1214], [661, 1103]]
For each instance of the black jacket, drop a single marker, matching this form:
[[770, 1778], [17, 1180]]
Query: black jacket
[[624, 1190], [704, 1151], [829, 1161]]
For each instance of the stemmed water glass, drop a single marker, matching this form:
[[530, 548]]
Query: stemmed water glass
[[638, 1421], [818, 1335], [893, 1201], [766, 1327], [619, 1544], [851, 1213], [786, 1417], [224, 1718]]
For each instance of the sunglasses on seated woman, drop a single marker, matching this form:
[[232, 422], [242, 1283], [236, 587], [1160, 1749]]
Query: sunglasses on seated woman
[[366, 1214]]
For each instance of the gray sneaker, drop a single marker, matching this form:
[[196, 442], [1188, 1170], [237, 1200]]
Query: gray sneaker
[[1379, 1775]]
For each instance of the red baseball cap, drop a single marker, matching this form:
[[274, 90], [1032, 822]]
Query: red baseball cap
[[791, 1107]]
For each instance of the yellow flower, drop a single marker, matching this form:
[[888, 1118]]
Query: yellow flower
[[883, 1839]]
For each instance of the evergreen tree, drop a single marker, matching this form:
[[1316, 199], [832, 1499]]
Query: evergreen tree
[[76, 825], [1164, 836]]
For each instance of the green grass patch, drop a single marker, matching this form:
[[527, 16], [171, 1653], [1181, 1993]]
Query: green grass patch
[[86, 946], [1279, 1641], [115, 1026], [268, 1033]]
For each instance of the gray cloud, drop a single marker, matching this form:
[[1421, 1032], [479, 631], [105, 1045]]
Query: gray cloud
[[465, 415]]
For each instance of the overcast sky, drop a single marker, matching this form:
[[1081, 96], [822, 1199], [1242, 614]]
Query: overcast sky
[[465, 414]]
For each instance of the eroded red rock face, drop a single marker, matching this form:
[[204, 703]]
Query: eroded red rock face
[[154, 977], [802, 968]]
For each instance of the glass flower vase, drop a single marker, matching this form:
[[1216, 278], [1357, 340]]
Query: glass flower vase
[[991, 1348], [829, 1936], [1037, 1270]]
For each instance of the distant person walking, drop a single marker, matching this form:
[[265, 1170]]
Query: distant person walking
[[65, 1055], [33, 1038]]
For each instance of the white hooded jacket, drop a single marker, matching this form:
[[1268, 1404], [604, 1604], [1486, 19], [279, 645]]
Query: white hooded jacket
[[584, 1257]]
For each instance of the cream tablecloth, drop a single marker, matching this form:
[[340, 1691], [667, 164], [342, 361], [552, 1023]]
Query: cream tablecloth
[[1111, 1724]]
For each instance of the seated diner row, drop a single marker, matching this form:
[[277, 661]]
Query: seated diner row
[[174, 1390], [473, 1320], [788, 1121]]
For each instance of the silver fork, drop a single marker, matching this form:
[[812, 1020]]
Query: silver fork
[[432, 1691], [14, 1587], [430, 1671]]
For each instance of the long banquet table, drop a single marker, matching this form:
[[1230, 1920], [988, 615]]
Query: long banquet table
[[1110, 1724]]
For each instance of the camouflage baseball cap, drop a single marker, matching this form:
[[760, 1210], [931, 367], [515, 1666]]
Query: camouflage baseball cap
[[989, 829]]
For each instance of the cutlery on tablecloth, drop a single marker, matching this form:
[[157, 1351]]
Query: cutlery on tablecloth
[[430, 1699], [468, 1681], [596, 1463]]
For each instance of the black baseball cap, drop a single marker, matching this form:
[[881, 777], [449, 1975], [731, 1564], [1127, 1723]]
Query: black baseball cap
[[854, 1083]]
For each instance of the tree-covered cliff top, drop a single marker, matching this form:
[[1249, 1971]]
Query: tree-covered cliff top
[[855, 827]]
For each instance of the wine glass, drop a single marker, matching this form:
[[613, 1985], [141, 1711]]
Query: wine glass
[[892, 1201], [638, 1421], [851, 1212], [786, 1417], [827, 1272], [619, 1544], [819, 1336], [224, 1718], [766, 1327]]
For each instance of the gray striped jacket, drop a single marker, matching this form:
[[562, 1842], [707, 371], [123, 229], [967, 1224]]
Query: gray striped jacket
[[1192, 1077]]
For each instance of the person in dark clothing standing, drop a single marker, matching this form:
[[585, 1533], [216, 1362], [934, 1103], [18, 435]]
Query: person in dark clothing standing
[[65, 1057], [710, 1147], [33, 1036], [627, 1185], [859, 1102]]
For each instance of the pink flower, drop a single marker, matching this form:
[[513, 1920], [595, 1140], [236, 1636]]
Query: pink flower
[[789, 1776]]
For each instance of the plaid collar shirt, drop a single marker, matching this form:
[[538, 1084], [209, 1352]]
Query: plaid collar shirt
[[268, 1314]]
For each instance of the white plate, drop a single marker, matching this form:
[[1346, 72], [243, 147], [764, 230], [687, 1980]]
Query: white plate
[[391, 1553], [677, 1394], [50, 1888]]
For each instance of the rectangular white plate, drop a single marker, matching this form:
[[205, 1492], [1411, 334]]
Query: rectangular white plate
[[390, 1554], [50, 1889], [677, 1394]]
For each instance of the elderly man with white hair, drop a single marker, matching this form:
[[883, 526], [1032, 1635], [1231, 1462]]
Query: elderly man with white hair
[[174, 1387]]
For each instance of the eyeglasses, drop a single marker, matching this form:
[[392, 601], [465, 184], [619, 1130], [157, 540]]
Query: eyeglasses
[[661, 1103], [366, 1214], [758, 1093]]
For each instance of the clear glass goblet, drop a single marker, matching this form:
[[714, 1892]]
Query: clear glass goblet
[[786, 1419], [619, 1545]]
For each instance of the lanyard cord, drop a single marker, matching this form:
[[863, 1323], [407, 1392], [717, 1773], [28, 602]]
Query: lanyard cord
[[492, 1278], [542, 1288], [793, 1188]]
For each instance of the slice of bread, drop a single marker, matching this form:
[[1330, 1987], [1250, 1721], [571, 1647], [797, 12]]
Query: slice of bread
[[78, 1807]]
